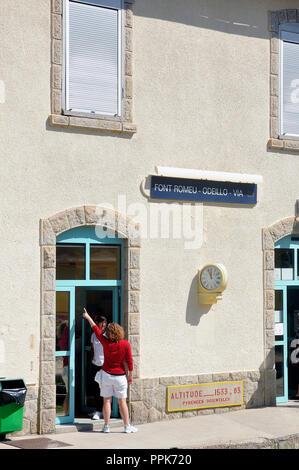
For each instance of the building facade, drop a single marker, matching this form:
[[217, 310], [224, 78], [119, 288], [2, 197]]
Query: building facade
[[123, 125]]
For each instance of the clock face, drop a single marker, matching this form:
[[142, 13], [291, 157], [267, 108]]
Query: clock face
[[210, 277]]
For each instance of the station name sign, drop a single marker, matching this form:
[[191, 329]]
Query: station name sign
[[194, 190], [210, 395]]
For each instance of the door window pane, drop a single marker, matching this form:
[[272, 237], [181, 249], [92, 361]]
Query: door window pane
[[284, 264], [62, 386], [279, 366], [62, 320], [104, 262], [62, 372], [278, 315], [70, 262]]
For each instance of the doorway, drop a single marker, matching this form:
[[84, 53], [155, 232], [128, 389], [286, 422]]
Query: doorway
[[287, 318], [97, 301], [293, 340], [88, 274]]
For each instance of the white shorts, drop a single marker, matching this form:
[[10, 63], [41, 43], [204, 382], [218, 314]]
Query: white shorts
[[112, 385]]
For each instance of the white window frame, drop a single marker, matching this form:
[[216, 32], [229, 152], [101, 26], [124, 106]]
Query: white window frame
[[112, 4], [287, 32]]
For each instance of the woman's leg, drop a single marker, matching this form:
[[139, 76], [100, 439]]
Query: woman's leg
[[98, 400], [98, 397], [107, 410], [123, 409]]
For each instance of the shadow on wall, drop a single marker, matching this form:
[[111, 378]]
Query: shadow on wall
[[260, 385], [230, 16], [194, 311]]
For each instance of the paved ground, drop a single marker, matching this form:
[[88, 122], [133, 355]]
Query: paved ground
[[270, 427]]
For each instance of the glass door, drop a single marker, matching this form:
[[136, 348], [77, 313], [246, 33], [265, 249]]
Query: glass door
[[286, 307], [293, 341], [64, 355], [281, 344]]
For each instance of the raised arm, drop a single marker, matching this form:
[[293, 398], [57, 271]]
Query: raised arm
[[88, 318], [94, 327]]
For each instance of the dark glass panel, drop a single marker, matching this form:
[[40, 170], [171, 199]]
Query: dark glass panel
[[62, 320], [284, 264], [279, 366], [70, 262], [104, 262]]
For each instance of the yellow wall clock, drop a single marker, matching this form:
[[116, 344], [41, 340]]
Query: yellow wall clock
[[212, 281]]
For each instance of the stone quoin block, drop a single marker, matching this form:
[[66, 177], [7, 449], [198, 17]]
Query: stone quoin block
[[57, 6], [76, 217], [47, 236], [48, 349], [269, 259], [49, 257], [48, 372], [48, 396], [59, 223], [48, 303], [48, 325], [49, 279], [48, 418]]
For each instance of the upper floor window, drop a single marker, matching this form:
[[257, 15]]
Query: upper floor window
[[92, 65], [289, 80], [93, 58]]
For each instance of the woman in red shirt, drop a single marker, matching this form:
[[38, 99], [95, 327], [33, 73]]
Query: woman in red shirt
[[112, 377]]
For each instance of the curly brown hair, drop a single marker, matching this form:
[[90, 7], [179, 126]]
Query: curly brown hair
[[114, 332]]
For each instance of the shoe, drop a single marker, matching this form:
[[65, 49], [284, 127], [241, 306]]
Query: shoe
[[130, 428], [106, 428], [96, 415]]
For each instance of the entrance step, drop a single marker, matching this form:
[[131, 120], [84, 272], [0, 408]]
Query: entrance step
[[85, 424]]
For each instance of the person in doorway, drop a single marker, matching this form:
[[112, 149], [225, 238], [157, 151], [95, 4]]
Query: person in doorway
[[96, 363], [113, 379]]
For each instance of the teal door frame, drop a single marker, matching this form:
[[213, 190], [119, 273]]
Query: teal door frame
[[89, 235], [290, 242], [70, 353]]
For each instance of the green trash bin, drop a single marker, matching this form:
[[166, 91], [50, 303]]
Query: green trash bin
[[12, 399]]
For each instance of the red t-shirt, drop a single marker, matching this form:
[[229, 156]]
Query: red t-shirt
[[115, 354]]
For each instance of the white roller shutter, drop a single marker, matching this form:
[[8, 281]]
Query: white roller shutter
[[290, 84], [93, 59], [101, 3]]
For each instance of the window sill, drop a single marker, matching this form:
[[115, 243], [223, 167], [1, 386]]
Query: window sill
[[286, 145], [91, 124]]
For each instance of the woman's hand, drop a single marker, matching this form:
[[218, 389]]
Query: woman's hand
[[130, 377], [85, 314], [88, 318]]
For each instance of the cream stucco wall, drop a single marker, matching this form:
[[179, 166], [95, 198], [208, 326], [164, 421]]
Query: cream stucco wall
[[201, 100]]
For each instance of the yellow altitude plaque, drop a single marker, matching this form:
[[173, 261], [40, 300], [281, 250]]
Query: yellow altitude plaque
[[209, 395]]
